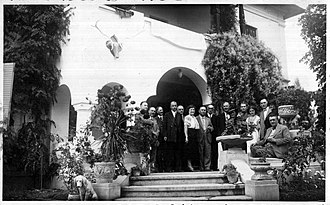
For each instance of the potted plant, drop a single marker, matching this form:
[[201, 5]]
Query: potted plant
[[230, 172], [108, 117]]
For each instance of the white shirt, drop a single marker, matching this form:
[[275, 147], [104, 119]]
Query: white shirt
[[203, 122], [272, 133], [265, 112], [191, 122], [173, 113]]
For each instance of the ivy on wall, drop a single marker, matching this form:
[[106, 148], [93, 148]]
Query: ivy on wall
[[33, 36], [240, 68]]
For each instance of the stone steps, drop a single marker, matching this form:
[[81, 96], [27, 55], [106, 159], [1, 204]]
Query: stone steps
[[178, 178], [188, 190], [202, 198], [183, 186]]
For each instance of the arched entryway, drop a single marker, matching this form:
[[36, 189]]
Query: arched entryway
[[179, 84]]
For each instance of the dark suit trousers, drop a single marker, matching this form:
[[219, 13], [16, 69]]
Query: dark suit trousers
[[204, 148], [169, 156], [214, 153]]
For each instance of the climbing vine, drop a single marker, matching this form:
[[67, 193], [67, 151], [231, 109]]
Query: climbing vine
[[33, 36]]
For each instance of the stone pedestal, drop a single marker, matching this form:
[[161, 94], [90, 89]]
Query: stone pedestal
[[262, 190], [107, 191], [225, 157]]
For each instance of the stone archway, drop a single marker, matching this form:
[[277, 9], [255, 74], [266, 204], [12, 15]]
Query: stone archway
[[182, 85], [60, 113]]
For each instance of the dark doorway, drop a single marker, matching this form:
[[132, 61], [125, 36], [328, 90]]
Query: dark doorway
[[171, 87]]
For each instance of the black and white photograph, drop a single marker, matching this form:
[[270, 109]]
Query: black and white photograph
[[176, 102]]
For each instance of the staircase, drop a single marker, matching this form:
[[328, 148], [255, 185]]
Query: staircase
[[183, 186]]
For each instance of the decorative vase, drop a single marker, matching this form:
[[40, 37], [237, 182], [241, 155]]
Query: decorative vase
[[260, 171], [104, 172], [287, 111]]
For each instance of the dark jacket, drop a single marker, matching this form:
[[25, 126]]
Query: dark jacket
[[171, 126]]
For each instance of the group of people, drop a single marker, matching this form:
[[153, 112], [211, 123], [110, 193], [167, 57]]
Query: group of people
[[187, 141]]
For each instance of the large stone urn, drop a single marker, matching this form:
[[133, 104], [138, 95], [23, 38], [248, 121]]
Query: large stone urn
[[104, 172], [260, 171], [287, 112]]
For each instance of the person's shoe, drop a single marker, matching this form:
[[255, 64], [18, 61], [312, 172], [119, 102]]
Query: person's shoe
[[189, 166]]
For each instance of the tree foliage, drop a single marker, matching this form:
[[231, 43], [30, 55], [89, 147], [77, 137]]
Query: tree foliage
[[33, 35], [32, 40], [313, 31], [240, 68]]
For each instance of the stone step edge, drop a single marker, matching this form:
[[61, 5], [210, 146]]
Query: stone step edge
[[185, 173], [175, 177], [201, 198], [182, 187]]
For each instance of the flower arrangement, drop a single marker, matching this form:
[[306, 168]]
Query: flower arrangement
[[235, 128], [69, 156]]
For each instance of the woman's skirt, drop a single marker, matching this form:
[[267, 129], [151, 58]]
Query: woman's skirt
[[191, 150]]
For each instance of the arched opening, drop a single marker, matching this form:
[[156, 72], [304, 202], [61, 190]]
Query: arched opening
[[60, 113], [181, 85]]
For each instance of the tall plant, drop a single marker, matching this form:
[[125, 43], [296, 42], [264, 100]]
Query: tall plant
[[238, 67], [108, 117]]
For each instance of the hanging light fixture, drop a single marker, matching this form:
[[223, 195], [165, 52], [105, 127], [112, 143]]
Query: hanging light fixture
[[180, 74]]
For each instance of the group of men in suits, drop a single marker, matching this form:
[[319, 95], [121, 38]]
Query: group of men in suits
[[168, 155]]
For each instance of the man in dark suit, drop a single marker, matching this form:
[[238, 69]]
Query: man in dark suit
[[276, 142], [180, 144], [216, 122], [204, 140], [171, 127], [224, 117], [160, 160], [264, 121]]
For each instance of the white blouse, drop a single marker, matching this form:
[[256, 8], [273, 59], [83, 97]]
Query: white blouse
[[191, 122]]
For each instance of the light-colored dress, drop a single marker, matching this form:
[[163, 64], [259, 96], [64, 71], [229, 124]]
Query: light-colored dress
[[255, 122]]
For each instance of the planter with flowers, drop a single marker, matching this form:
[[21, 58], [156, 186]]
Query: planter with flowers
[[234, 135], [108, 117], [69, 158]]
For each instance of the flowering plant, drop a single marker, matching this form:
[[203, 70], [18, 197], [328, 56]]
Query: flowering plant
[[69, 156], [233, 127], [108, 116]]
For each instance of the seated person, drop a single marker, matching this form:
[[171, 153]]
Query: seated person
[[276, 141]]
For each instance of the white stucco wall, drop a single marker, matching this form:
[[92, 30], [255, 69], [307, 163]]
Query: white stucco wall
[[150, 48], [270, 27]]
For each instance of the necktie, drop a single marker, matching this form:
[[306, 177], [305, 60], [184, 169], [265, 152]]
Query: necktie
[[203, 120]]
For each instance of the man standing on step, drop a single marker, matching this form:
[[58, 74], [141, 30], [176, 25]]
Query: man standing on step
[[204, 140], [216, 122], [264, 121], [179, 150], [160, 161], [171, 125]]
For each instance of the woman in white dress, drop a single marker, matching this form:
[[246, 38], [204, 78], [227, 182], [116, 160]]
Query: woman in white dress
[[253, 122]]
